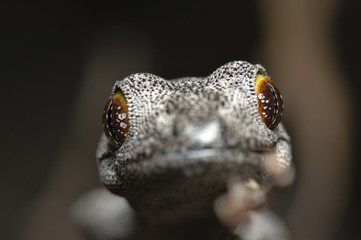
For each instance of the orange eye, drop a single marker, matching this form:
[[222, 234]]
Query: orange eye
[[270, 103], [115, 119]]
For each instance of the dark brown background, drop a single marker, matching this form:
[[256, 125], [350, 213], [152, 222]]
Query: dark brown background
[[51, 52]]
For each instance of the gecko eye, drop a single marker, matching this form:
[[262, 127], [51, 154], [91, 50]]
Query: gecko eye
[[115, 119], [270, 103]]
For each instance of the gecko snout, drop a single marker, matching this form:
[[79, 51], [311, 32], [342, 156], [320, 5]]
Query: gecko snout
[[202, 132]]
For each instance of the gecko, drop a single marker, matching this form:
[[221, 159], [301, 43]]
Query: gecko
[[193, 157]]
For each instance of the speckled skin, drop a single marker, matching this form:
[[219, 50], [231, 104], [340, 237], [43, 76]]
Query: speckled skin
[[188, 137]]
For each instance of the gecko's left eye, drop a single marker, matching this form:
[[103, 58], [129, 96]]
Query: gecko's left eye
[[270, 103], [115, 119]]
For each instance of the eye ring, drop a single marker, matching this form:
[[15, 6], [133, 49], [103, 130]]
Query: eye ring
[[270, 102], [115, 119]]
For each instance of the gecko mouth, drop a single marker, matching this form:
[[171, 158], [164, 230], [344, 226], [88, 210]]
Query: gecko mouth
[[173, 178], [189, 163], [164, 179], [110, 152], [188, 154]]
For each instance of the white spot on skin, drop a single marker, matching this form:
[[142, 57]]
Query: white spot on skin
[[123, 125]]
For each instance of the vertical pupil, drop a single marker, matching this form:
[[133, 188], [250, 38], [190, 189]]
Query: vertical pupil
[[115, 119], [270, 104], [274, 115], [109, 122]]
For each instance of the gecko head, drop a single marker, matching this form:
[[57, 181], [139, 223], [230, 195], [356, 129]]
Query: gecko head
[[186, 137]]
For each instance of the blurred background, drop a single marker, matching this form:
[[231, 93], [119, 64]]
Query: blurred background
[[60, 60]]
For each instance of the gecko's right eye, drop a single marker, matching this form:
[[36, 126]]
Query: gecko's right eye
[[270, 103], [115, 119]]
